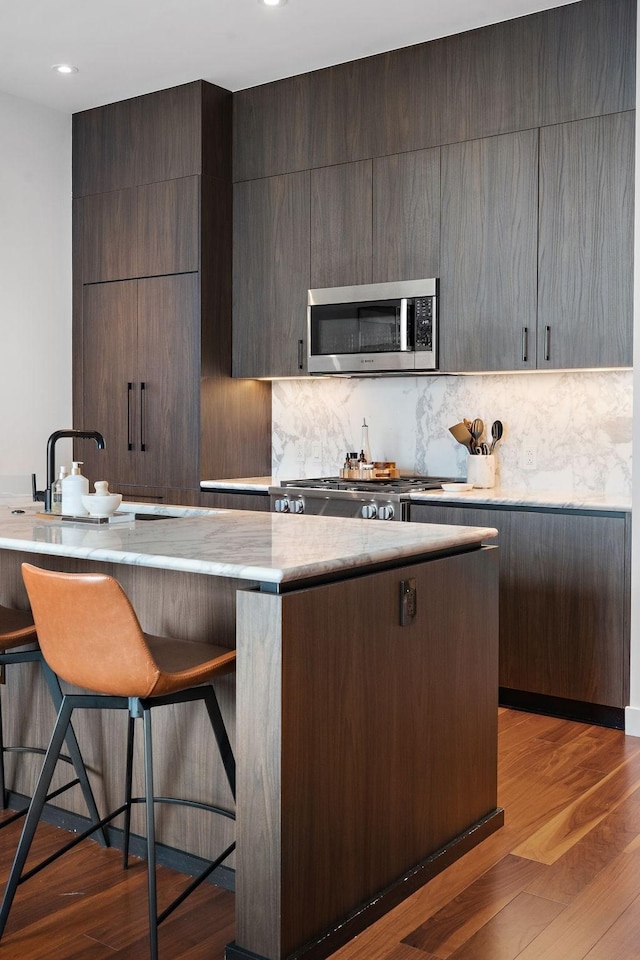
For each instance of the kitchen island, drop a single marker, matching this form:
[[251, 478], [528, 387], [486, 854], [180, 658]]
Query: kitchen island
[[365, 699]]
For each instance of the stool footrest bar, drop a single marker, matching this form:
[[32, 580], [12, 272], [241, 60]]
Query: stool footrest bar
[[72, 843], [195, 883]]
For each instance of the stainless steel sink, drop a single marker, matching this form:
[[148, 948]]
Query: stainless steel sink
[[157, 516]]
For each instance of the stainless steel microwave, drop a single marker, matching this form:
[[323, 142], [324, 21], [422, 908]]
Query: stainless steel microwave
[[373, 328]]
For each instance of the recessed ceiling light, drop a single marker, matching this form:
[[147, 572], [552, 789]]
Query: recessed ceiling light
[[272, 3], [64, 68]]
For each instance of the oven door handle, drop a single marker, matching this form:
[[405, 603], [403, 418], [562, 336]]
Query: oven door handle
[[404, 325]]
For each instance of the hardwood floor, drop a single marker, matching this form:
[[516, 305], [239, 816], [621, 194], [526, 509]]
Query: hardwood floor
[[560, 880]]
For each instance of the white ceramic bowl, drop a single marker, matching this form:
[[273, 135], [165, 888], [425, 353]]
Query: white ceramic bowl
[[101, 506]]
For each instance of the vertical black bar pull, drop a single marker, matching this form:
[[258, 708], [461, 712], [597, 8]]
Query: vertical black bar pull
[[143, 413], [129, 392], [547, 343], [300, 354], [525, 344]]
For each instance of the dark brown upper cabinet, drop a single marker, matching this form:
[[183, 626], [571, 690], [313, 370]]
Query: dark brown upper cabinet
[[109, 224], [408, 91], [370, 134], [575, 61], [270, 276], [341, 225], [585, 305], [489, 253], [491, 78], [142, 231], [342, 113], [587, 60], [160, 136], [376, 221], [406, 216], [380, 105], [271, 128]]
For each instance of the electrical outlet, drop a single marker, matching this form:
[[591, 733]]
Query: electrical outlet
[[300, 454], [529, 457], [316, 450]]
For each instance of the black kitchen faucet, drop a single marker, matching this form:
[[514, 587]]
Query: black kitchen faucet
[[46, 494]]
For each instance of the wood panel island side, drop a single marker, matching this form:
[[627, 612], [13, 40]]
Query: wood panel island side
[[364, 701]]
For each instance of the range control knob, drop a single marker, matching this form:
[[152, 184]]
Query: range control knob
[[296, 506], [369, 511], [386, 512], [282, 505]]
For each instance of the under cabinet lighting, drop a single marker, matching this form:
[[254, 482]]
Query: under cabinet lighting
[[64, 68], [272, 3]]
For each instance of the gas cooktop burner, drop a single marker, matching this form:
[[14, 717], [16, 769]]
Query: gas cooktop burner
[[399, 485]]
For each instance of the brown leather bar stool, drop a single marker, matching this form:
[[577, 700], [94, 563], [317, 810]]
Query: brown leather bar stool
[[19, 644], [91, 638]]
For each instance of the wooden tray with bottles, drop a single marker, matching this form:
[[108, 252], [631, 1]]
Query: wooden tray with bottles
[[378, 470]]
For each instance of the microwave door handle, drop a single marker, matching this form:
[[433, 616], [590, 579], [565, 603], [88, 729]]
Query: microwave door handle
[[404, 338]]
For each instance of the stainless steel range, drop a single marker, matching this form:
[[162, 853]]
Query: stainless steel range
[[335, 497]]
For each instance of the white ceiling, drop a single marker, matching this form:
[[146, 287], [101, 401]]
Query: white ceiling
[[128, 47]]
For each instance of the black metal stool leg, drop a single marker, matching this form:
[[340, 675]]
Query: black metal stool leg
[[35, 810], [127, 791], [151, 834], [3, 789], [222, 739], [74, 752]]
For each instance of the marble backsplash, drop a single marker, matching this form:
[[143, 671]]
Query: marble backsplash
[[576, 427]]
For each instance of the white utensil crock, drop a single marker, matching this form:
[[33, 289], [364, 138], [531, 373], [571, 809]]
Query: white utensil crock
[[481, 470]]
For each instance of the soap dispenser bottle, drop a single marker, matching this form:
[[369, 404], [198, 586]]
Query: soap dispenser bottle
[[74, 487], [56, 499]]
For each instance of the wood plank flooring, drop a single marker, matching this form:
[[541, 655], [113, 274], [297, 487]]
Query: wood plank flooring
[[560, 880]]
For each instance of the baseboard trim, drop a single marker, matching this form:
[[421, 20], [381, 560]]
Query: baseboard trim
[[597, 713], [387, 899], [632, 721]]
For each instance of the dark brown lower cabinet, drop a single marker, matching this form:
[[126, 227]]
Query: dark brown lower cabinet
[[234, 500], [564, 600], [141, 380]]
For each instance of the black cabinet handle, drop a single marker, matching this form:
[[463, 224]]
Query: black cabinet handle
[[525, 344], [129, 392], [300, 354], [143, 415], [547, 343]]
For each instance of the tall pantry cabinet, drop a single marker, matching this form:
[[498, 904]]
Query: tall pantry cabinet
[[152, 298]]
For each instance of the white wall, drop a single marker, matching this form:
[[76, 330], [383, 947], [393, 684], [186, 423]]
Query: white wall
[[35, 285]]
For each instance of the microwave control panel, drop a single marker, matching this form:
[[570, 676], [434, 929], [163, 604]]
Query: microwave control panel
[[425, 315]]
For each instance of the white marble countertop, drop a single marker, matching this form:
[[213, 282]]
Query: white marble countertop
[[244, 484], [526, 498], [497, 495], [266, 547]]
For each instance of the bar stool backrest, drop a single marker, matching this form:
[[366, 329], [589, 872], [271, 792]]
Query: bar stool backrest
[[89, 633]]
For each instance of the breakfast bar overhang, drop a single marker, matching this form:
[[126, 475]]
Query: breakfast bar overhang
[[365, 696]]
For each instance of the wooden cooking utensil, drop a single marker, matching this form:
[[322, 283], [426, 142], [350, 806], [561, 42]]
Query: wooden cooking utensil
[[461, 433]]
